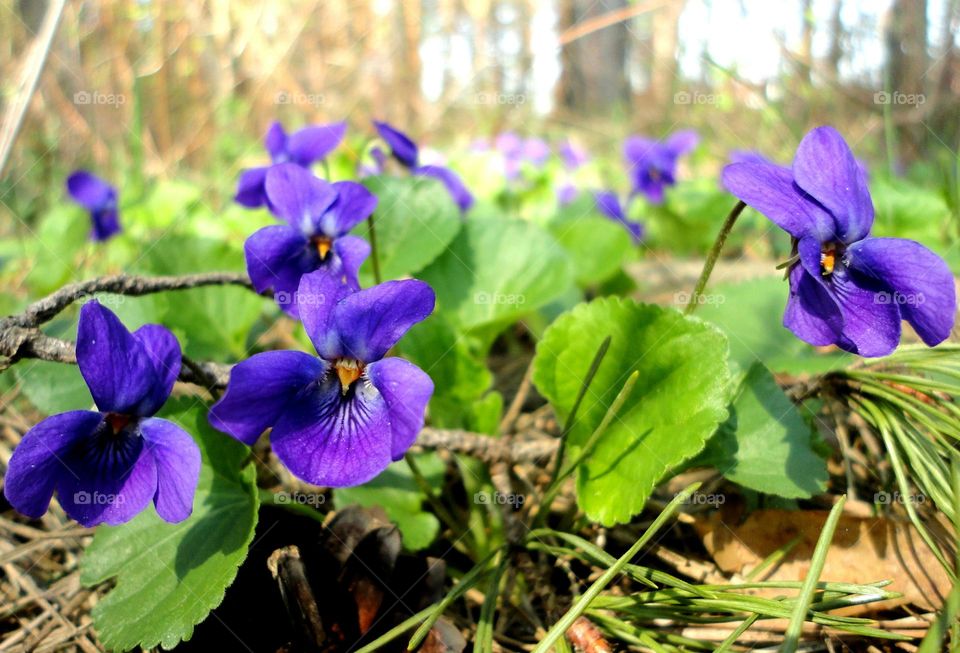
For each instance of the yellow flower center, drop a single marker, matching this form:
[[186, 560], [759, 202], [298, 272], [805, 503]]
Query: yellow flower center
[[348, 371], [828, 259], [323, 245]]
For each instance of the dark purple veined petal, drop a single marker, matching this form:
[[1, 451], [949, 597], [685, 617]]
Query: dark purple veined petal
[[121, 375], [260, 390], [106, 224], [454, 185], [315, 142], [825, 168], [109, 479], [352, 252], [322, 292], [353, 205], [870, 327], [769, 189], [90, 191], [812, 313], [38, 461], [401, 147], [918, 281], [609, 205], [250, 191], [163, 349], [277, 257], [682, 142], [296, 195], [334, 439], [406, 389], [871, 324], [276, 142], [371, 321], [177, 461]]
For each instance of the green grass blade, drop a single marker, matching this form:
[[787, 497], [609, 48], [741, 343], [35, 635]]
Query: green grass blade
[[559, 628], [469, 580], [805, 599]]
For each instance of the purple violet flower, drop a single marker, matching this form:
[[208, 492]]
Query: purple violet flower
[[747, 156], [100, 199], [405, 151], [573, 156], [304, 148], [107, 465], [653, 164], [451, 180], [846, 288], [401, 146], [318, 216], [609, 205], [337, 420], [509, 144], [536, 151], [376, 164], [566, 193]]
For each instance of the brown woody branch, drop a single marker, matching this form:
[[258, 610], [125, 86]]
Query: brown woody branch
[[21, 338], [46, 309]]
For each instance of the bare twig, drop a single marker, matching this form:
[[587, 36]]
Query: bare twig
[[18, 343], [20, 338], [486, 447], [516, 406], [46, 309]]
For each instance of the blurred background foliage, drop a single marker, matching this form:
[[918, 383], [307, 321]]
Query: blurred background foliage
[[186, 89]]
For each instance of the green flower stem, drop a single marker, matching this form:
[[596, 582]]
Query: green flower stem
[[712, 257], [373, 251]]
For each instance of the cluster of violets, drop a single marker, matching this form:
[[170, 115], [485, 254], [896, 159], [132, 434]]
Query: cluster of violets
[[652, 168], [336, 419], [339, 418]]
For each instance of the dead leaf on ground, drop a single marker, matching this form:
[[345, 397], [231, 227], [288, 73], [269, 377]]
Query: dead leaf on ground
[[863, 550]]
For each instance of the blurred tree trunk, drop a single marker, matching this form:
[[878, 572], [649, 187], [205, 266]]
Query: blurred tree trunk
[[526, 9], [479, 12], [450, 11], [494, 39], [666, 39], [409, 77], [836, 39], [907, 62], [594, 75], [944, 100], [806, 40]]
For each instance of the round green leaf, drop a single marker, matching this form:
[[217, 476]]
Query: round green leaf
[[497, 270], [53, 387], [679, 399], [415, 220], [597, 246], [766, 445]]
